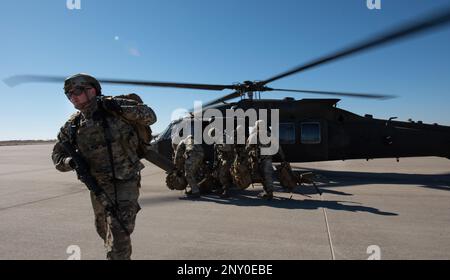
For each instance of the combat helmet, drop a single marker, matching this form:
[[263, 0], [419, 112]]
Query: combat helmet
[[82, 80]]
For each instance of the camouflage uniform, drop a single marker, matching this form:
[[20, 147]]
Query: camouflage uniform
[[225, 156], [240, 171], [89, 138], [260, 164], [189, 156]]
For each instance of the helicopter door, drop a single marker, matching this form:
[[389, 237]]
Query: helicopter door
[[287, 136], [313, 141]]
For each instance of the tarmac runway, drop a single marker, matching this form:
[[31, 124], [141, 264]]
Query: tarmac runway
[[402, 209]]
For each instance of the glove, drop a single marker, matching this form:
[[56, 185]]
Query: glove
[[103, 200], [111, 105]]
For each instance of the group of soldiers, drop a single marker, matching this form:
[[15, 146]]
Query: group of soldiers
[[234, 164]]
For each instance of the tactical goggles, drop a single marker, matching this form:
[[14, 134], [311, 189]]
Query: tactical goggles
[[77, 91]]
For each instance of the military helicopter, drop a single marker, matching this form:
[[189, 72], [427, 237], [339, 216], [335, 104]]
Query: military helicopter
[[314, 129]]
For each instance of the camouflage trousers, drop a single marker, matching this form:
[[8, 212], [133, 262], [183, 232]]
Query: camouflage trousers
[[117, 242], [266, 170], [192, 166], [224, 173]]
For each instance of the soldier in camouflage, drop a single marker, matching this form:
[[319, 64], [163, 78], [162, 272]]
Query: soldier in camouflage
[[189, 157], [224, 153], [240, 171], [260, 164], [102, 134]]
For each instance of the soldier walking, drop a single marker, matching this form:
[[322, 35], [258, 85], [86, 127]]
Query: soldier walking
[[189, 157], [102, 133], [224, 156], [260, 164]]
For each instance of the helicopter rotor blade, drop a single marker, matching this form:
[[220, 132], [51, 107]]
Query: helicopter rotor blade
[[221, 99], [347, 94], [168, 84], [21, 79], [401, 32]]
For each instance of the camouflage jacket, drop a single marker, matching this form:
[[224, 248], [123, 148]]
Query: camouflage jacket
[[90, 139], [224, 152], [253, 147], [186, 148]]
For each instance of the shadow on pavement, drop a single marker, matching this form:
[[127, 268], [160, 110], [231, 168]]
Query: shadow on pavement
[[246, 198], [350, 178], [328, 180]]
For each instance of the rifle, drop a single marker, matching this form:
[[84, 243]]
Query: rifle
[[84, 176], [307, 178]]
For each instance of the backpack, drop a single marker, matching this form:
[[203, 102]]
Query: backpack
[[175, 180], [287, 177], [144, 132], [241, 172]]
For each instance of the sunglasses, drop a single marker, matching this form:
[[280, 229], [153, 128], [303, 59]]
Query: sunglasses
[[77, 91]]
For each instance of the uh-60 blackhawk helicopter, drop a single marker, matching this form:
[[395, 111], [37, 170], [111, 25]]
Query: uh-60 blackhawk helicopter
[[313, 129]]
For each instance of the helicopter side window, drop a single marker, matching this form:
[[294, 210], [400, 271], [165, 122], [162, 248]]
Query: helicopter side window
[[310, 133], [287, 133]]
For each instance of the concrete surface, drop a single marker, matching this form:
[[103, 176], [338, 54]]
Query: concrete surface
[[403, 208]]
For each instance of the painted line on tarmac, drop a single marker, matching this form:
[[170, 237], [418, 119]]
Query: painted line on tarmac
[[333, 257]]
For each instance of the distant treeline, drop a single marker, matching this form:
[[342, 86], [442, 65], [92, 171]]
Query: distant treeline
[[25, 142]]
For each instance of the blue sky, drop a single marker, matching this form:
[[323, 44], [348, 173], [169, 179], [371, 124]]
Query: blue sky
[[218, 42]]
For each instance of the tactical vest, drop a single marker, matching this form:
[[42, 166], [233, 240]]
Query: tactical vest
[[144, 132], [107, 150]]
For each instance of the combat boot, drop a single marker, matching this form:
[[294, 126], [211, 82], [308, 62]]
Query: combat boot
[[225, 192], [266, 195], [193, 192]]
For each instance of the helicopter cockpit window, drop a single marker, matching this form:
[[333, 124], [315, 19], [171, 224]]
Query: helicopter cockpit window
[[179, 129], [310, 133], [165, 134], [287, 133], [186, 127]]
